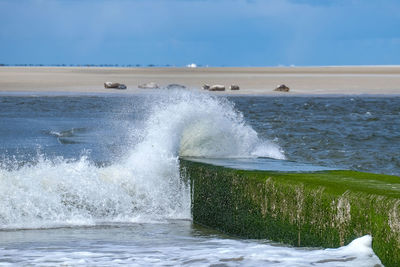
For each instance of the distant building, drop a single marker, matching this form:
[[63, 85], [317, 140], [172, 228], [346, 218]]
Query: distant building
[[191, 65]]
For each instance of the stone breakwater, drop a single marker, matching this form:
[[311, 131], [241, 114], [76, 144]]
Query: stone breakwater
[[317, 209]]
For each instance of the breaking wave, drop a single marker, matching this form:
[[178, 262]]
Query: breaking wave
[[143, 187]]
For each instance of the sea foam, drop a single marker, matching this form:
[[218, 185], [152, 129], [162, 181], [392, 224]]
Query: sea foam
[[143, 186]]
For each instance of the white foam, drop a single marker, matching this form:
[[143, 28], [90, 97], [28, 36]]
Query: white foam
[[146, 185], [200, 125], [153, 249], [54, 193]]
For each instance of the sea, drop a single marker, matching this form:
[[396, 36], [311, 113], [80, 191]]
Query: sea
[[93, 180]]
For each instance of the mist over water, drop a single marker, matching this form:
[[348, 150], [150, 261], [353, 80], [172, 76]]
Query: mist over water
[[200, 125]]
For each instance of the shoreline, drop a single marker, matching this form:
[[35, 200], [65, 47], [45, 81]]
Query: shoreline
[[152, 92], [302, 81]]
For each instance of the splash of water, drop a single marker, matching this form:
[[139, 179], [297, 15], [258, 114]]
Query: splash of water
[[200, 125], [146, 185]]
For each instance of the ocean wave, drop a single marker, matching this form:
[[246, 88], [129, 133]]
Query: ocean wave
[[142, 186]]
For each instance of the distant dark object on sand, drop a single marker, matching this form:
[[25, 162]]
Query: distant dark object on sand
[[150, 85], [175, 86], [206, 87], [217, 87], [282, 88], [112, 85], [234, 87]]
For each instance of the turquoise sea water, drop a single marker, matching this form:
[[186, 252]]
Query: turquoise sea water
[[94, 180]]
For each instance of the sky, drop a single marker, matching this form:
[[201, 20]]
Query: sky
[[205, 32]]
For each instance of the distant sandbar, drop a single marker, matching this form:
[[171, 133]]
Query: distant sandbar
[[354, 80]]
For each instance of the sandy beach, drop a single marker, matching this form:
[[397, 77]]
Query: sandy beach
[[377, 80]]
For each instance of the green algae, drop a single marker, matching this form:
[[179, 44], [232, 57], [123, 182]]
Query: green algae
[[319, 209]]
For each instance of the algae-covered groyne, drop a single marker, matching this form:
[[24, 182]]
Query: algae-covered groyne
[[324, 208]]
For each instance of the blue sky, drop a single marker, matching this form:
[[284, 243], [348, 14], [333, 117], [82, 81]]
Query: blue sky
[[207, 32]]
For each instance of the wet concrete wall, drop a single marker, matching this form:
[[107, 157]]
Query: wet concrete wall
[[317, 209]]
